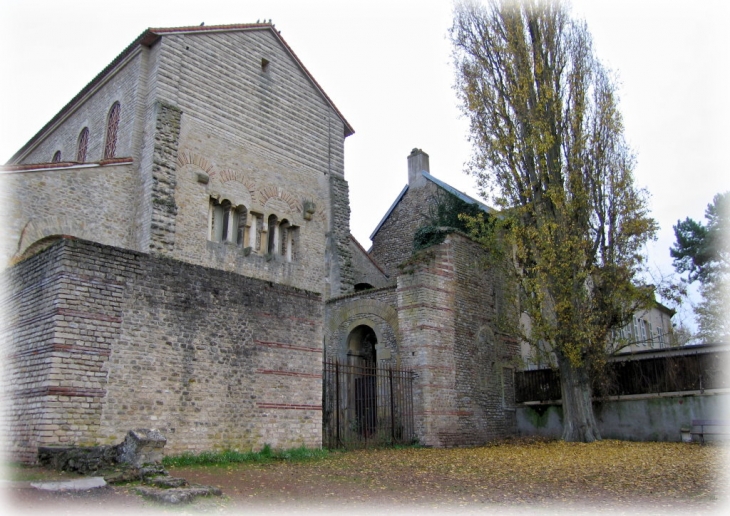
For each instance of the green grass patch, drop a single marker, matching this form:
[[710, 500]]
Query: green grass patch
[[222, 458]]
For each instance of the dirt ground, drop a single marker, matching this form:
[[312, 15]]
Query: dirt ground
[[610, 477]]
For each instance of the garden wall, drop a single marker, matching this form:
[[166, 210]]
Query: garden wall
[[632, 418]]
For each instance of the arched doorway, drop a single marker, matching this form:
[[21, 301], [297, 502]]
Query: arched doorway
[[361, 344], [363, 390]]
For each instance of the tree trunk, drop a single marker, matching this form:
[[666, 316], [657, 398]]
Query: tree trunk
[[579, 424]]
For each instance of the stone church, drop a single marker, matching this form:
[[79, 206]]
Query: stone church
[[178, 256]]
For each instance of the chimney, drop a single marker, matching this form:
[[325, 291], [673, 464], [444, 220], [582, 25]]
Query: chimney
[[417, 163]]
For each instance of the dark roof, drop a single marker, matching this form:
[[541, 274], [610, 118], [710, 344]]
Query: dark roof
[[150, 36], [437, 182]]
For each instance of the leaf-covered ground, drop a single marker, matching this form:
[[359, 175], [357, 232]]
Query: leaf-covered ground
[[522, 477], [611, 475]]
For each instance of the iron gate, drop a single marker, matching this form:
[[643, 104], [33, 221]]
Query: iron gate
[[365, 405]]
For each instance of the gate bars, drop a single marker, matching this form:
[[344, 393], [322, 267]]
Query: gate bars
[[366, 405]]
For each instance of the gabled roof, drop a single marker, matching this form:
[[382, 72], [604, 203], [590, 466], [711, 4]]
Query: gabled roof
[[441, 184], [149, 37], [368, 256]]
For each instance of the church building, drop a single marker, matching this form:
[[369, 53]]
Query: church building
[[178, 256]]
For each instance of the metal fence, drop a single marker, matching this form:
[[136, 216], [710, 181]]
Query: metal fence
[[635, 375], [365, 405]]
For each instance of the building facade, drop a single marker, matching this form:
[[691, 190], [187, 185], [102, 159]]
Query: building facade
[[178, 256]]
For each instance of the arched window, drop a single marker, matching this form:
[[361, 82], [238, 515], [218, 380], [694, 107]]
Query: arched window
[[56, 157], [287, 240], [227, 222], [273, 233], [240, 225], [112, 128], [83, 145]]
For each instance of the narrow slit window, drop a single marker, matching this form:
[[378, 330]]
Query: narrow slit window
[[265, 65], [83, 145], [273, 234], [56, 157], [112, 128]]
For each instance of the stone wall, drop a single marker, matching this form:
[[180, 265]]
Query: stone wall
[[94, 202], [262, 138], [464, 392], [645, 417], [365, 270], [393, 243], [210, 358], [374, 308], [92, 111], [206, 118]]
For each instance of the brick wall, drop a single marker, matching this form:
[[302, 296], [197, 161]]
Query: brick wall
[[212, 359]]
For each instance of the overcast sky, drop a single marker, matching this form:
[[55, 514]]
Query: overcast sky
[[386, 65]]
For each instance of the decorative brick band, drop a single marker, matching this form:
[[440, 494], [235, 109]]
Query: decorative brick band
[[73, 348], [71, 392], [88, 315], [290, 318], [65, 312], [425, 305], [281, 345], [288, 373], [287, 406], [426, 287]]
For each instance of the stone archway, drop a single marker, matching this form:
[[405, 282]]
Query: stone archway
[[361, 344], [362, 389]]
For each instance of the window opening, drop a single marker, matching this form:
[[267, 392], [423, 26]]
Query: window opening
[[241, 225], [83, 145], [265, 64], [56, 157], [223, 221], [273, 234], [253, 231], [112, 128]]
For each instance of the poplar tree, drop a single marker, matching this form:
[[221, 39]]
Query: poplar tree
[[548, 147]]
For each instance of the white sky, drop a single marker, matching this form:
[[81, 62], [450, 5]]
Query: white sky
[[386, 65]]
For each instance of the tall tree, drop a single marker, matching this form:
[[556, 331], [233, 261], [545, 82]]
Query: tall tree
[[548, 144], [703, 251]]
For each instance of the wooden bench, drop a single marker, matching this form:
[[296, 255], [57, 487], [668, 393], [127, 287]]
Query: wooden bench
[[716, 427]]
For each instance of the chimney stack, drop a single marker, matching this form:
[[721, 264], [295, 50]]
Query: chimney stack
[[417, 163]]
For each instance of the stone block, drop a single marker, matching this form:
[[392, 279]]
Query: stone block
[[141, 446]]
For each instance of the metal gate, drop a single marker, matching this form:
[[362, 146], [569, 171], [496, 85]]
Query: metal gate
[[365, 405]]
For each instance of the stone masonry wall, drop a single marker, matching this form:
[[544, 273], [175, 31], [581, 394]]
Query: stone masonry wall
[[374, 308], [364, 269], [121, 86], [485, 358], [393, 243], [260, 137], [427, 322], [164, 166], [60, 324], [340, 254], [210, 358], [91, 202], [464, 393]]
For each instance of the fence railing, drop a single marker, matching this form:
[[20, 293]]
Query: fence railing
[[364, 405], [692, 372]]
